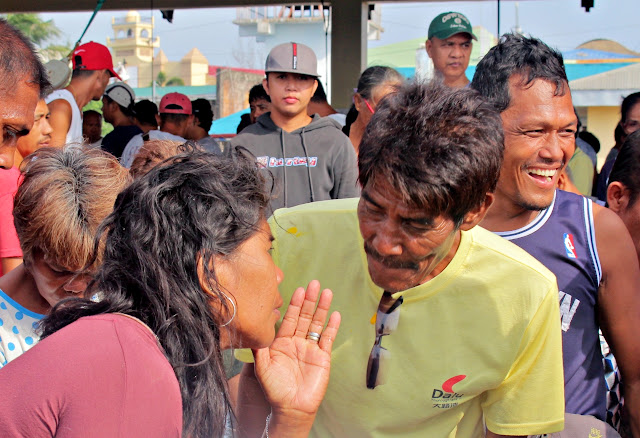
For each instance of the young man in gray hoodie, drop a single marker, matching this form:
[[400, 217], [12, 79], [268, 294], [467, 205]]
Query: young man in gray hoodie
[[309, 157]]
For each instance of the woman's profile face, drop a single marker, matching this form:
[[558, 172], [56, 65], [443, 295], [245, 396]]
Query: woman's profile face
[[55, 282], [366, 111], [632, 123], [250, 278]]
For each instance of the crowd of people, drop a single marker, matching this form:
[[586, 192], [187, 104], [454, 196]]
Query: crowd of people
[[434, 263]]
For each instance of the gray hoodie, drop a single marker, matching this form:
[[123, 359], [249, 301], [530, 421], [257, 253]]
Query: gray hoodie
[[312, 163]]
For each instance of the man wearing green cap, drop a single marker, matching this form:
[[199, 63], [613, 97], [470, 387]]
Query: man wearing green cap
[[449, 47]]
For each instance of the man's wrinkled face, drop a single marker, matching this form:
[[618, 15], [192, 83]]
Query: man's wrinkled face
[[539, 139], [17, 107], [405, 245], [450, 56]]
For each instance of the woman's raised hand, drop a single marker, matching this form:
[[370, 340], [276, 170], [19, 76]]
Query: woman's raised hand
[[294, 370]]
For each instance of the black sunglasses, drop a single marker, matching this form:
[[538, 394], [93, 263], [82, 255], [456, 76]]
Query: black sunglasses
[[386, 323]]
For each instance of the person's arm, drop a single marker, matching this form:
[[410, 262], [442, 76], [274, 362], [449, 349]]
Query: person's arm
[[293, 372], [10, 263], [346, 172], [251, 407], [60, 121], [619, 304]]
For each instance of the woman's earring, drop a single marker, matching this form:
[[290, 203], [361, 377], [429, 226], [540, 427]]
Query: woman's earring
[[234, 310]]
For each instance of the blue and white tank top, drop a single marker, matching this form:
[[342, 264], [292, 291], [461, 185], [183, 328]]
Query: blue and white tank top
[[562, 238]]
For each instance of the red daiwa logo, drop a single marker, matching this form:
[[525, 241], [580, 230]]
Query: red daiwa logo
[[447, 397], [448, 385]]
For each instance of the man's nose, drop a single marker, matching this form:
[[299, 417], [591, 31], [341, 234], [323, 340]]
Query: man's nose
[[6, 155]]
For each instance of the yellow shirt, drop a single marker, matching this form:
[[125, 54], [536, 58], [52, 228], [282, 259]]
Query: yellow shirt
[[489, 321]]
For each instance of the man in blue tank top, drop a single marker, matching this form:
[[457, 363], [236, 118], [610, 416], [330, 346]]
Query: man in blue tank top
[[583, 244]]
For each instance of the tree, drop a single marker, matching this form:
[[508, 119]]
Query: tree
[[163, 81], [42, 33], [36, 29]]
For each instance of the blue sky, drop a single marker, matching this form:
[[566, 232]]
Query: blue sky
[[561, 23]]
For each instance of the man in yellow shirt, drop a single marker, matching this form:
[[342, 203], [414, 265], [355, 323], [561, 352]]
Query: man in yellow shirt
[[447, 330]]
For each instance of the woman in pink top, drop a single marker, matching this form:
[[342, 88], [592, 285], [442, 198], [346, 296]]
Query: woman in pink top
[[186, 262]]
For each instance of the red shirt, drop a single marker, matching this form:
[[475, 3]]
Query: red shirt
[[9, 243]]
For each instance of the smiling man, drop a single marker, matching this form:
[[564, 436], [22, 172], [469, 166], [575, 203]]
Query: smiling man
[[436, 341], [309, 157], [449, 47], [585, 245]]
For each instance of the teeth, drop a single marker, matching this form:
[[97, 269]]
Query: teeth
[[543, 172]]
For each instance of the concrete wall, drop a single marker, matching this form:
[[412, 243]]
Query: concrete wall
[[602, 121], [233, 91]]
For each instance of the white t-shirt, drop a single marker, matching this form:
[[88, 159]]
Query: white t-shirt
[[17, 329], [131, 149], [74, 135]]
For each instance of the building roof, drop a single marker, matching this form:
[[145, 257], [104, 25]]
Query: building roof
[[194, 92], [401, 54], [608, 46], [195, 56], [160, 58], [607, 88], [619, 79], [213, 69], [581, 54]]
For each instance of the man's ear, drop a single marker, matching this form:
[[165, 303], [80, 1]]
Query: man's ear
[[617, 196], [357, 101], [158, 119], [265, 85], [427, 47], [475, 216]]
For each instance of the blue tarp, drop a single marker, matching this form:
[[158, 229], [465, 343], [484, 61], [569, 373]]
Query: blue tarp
[[227, 125]]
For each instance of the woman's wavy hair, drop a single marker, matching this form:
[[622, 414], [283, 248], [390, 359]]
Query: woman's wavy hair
[[166, 228]]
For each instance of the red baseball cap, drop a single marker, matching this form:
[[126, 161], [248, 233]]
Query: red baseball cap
[[93, 56], [175, 103]]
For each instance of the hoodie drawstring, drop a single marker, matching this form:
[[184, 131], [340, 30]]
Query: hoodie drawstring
[[284, 168], [306, 154]]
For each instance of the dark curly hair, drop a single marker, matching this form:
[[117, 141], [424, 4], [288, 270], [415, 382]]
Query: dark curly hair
[[440, 148], [518, 55]]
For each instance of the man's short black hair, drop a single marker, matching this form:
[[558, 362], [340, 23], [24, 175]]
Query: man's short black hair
[[203, 113], [516, 54], [173, 118], [258, 92], [440, 148], [91, 113], [123, 109], [145, 112], [18, 59]]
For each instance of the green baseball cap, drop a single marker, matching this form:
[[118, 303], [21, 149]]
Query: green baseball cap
[[448, 24]]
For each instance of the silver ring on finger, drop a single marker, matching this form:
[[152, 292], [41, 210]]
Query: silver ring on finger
[[313, 336]]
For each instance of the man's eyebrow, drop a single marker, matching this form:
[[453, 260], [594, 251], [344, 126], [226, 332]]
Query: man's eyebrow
[[368, 198], [426, 221]]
